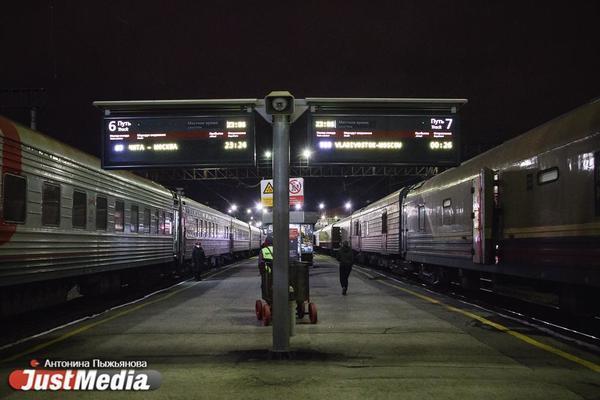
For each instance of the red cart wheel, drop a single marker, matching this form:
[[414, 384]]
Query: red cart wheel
[[258, 309], [266, 314], [312, 313]]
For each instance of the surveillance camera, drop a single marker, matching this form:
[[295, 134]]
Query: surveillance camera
[[279, 103]]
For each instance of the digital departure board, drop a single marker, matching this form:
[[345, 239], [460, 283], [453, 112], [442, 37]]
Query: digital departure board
[[164, 141], [384, 139]]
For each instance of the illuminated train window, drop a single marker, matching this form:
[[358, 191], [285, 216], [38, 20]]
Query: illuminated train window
[[119, 216], [134, 225], [169, 224], [50, 204], [597, 181], [14, 198], [447, 212], [157, 219], [421, 218], [146, 220], [547, 176]]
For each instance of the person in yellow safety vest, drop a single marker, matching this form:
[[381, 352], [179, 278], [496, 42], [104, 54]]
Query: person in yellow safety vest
[[265, 257]]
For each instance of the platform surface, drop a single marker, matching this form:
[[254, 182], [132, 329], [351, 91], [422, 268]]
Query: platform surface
[[384, 340]]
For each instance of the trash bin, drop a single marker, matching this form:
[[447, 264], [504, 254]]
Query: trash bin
[[299, 280]]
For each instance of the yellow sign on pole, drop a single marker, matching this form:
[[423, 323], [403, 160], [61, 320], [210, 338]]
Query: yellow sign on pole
[[268, 189]]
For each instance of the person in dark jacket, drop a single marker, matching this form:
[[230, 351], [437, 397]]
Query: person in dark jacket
[[346, 259], [198, 258]]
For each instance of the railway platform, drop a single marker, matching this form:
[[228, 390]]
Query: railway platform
[[384, 340]]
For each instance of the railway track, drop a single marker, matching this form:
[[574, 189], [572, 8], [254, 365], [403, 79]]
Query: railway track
[[583, 331]]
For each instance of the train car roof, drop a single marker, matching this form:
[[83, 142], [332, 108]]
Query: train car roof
[[204, 207], [46, 144], [377, 203]]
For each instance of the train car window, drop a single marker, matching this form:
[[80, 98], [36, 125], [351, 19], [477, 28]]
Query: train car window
[[50, 204], [169, 224], [384, 222], [157, 219], [547, 176], [421, 218], [79, 212], [195, 227], [119, 216], [101, 213], [146, 220], [447, 212], [161, 222], [14, 198], [597, 181], [134, 223]]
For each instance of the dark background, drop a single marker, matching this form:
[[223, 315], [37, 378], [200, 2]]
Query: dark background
[[519, 64]]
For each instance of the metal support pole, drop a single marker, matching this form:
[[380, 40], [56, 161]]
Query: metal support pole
[[281, 218]]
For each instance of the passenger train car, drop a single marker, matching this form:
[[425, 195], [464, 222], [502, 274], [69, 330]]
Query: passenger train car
[[525, 211], [64, 222], [222, 236]]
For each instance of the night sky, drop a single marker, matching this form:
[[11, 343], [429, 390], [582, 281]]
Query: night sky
[[518, 63]]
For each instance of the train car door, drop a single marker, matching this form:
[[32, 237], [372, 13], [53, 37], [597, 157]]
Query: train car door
[[483, 209], [178, 236], [384, 231], [231, 237], [403, 221]]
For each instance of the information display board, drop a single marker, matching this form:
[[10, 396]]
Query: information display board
[[166, 141], [383, 139]]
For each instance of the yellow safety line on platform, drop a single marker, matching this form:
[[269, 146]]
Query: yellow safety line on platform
[[102, 321], [588, 364]]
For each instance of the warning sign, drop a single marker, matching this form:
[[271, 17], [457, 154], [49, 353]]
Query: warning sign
[[268, 189], [295, 186], [296, 189]]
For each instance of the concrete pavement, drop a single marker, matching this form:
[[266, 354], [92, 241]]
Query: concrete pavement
[[378, 342]]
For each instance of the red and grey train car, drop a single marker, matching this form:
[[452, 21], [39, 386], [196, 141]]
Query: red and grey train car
[[527, 210], [64, 221]]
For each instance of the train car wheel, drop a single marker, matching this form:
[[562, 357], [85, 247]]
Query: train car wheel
[[258, 309], [266, 314], [312, 313]]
